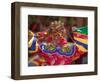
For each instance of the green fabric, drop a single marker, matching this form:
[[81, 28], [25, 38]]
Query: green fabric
[[82, 30], [70, 21], [34, 20]]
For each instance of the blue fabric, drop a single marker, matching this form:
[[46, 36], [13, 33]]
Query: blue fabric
[[82, 44], [33, 47]]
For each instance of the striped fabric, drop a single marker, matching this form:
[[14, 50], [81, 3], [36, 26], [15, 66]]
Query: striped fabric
[[81, 39]]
